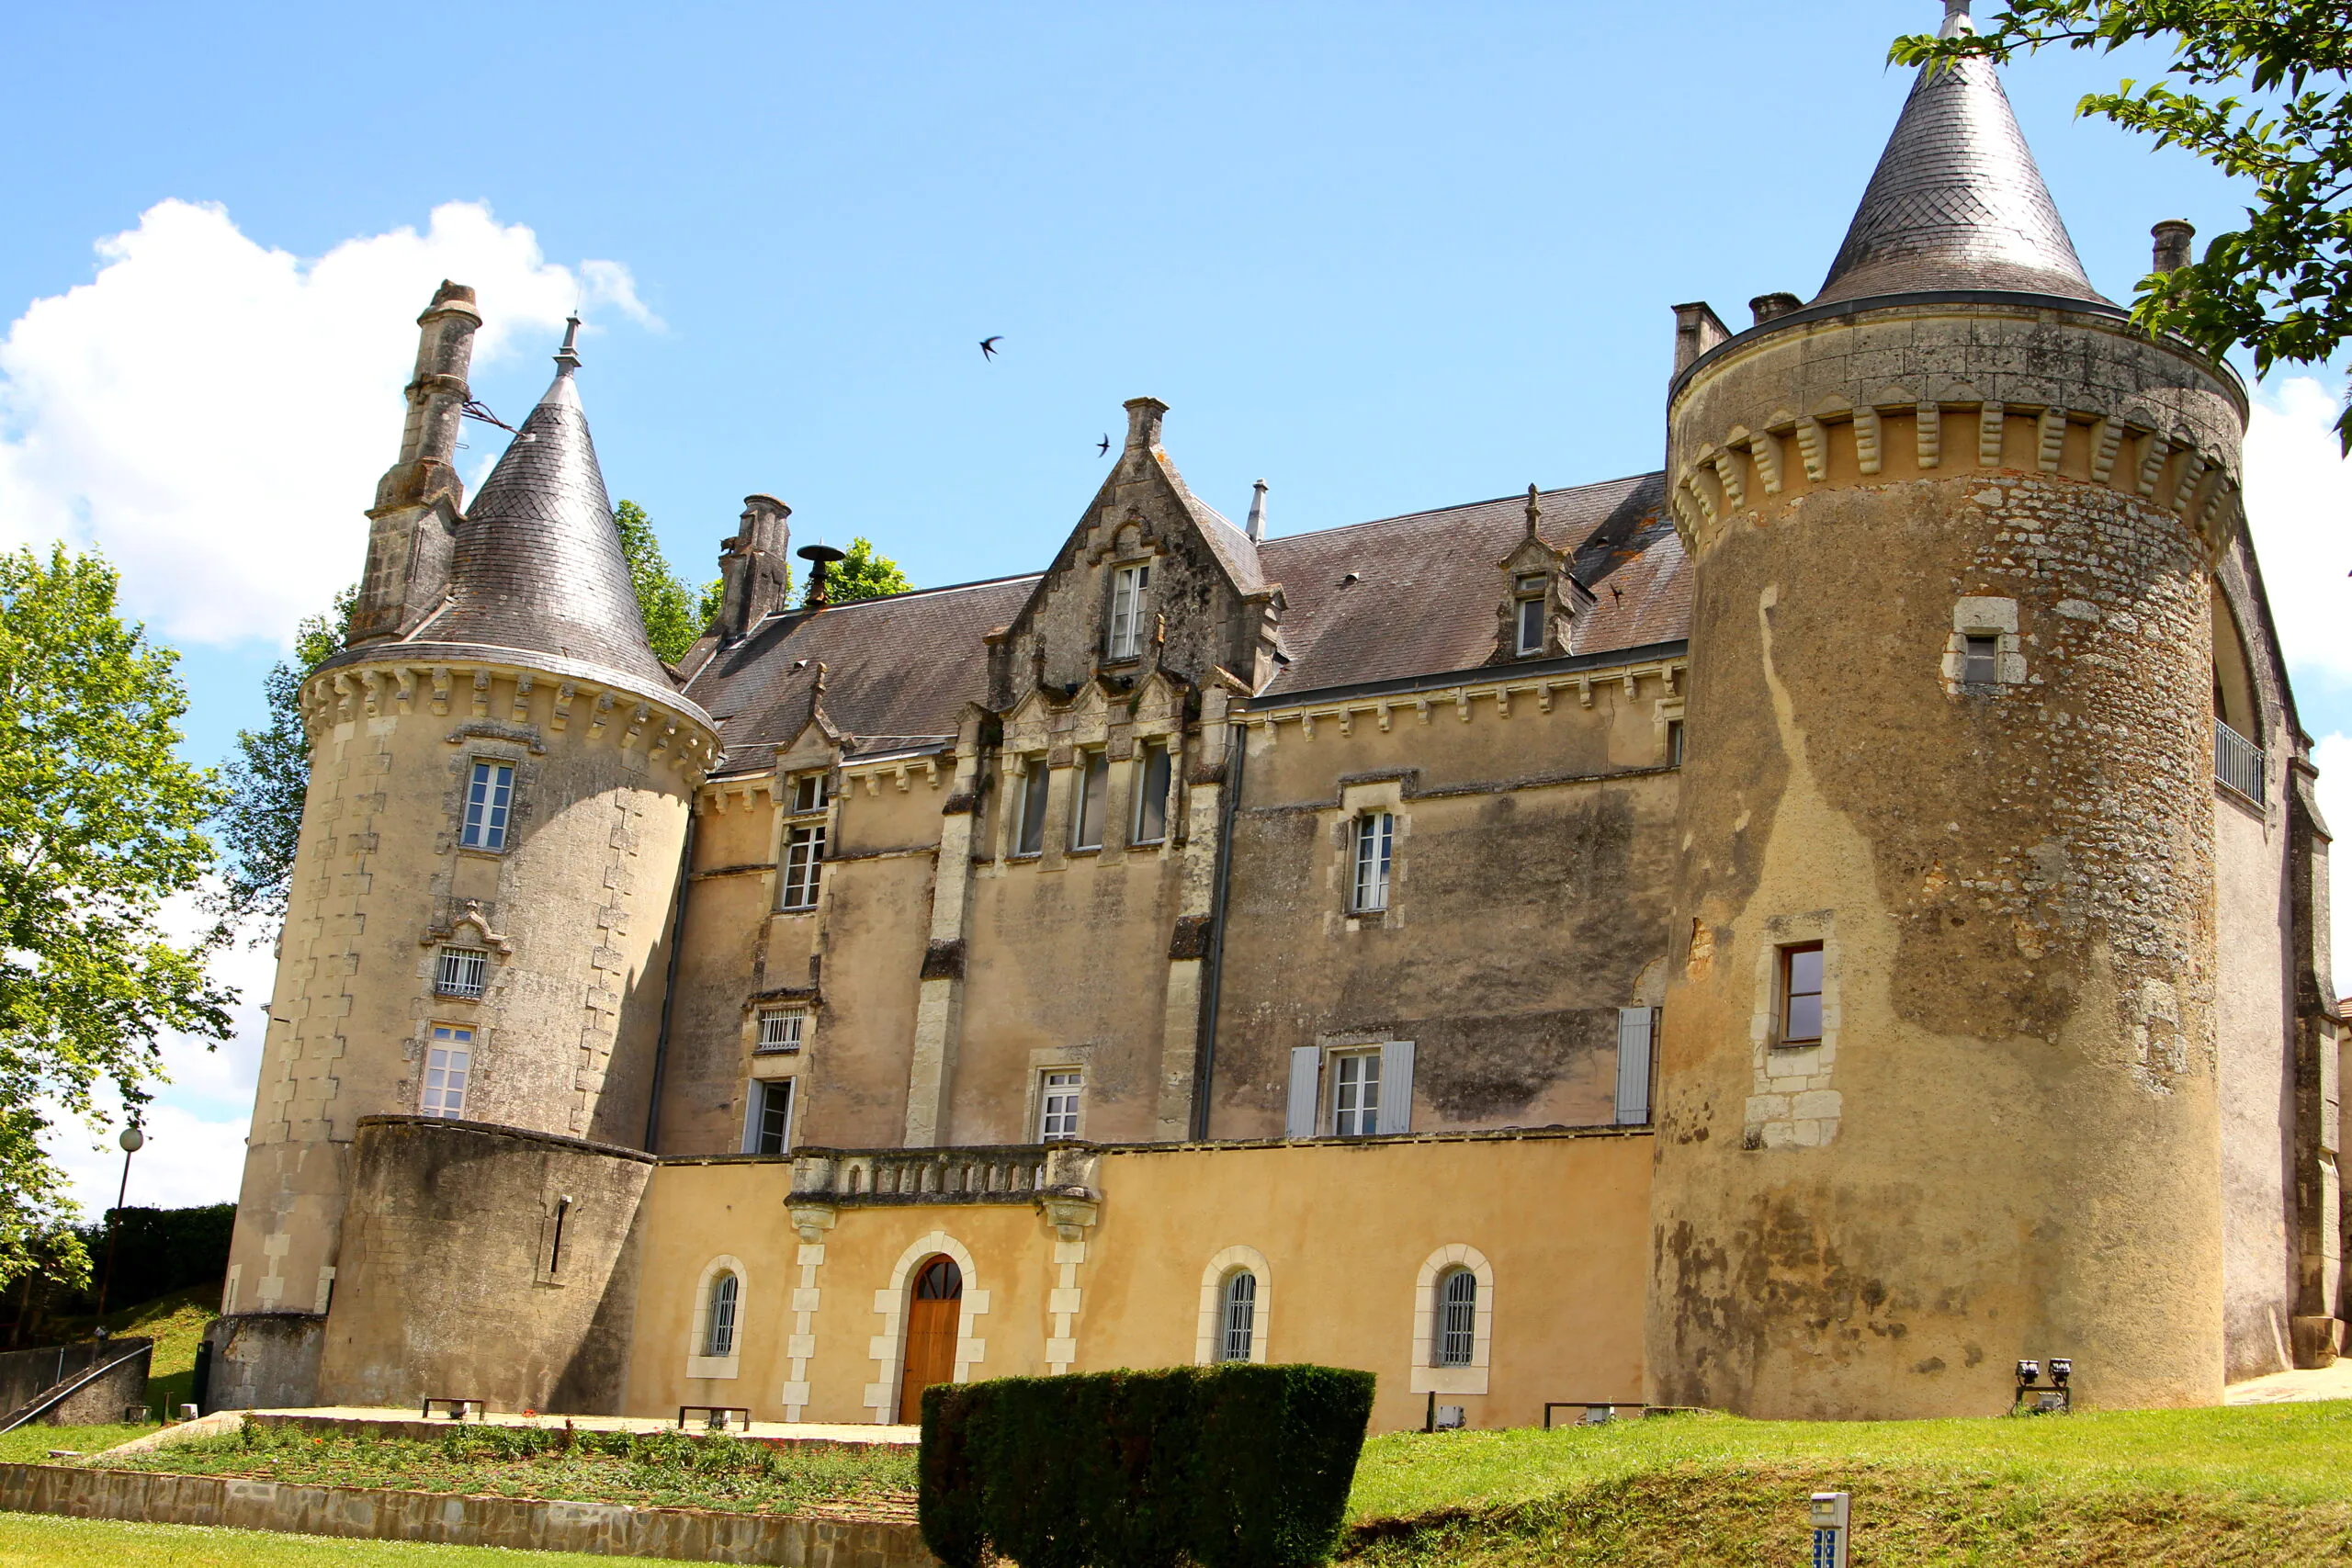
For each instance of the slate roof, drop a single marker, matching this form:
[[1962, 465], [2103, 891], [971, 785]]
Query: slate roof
[[898, 672], [537, 564], [1957, 202]]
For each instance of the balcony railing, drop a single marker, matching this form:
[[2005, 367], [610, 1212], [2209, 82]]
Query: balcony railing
[[1021, 1174], [2237, 762]]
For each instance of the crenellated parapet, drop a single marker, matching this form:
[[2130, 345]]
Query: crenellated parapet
[[1912, 390]]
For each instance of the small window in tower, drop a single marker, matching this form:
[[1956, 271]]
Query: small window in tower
[[1375, 833], [1457, 1319], [1674, 743], [461, 972], [1980, 660], [1130, 591], [808, 794], [1034, 786], [488, 798], [804, 858], [1151, 794], [449, 1063], [1530, 615], [781, 1029], [1086, 811], [1800, 975], [770, 1125]]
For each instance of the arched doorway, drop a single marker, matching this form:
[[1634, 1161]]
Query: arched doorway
[[934, 1310]]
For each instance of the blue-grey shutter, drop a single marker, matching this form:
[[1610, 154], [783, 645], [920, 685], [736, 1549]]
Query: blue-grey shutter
[[1397, 1087], [1634, 1029], [1305, 1077]]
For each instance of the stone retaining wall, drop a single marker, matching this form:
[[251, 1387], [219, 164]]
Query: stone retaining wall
[[692, 1534]]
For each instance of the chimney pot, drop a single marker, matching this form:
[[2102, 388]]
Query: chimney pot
[[1769, 306], [2172, 238], [1697, 329], [1258, 511]]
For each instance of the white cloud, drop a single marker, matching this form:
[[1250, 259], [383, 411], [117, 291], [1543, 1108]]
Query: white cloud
[[189, 1159], [2299, 505], [206, 404]]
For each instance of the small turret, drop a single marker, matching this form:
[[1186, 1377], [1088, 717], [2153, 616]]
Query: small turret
[[413, 523]]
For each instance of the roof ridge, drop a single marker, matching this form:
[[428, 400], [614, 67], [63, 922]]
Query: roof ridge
[[1517, 499]]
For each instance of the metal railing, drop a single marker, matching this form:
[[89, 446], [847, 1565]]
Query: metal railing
[[2238, 762]]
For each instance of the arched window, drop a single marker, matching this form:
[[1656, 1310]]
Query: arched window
[[1457, 1319], [718, 1333], [1238, 1317]]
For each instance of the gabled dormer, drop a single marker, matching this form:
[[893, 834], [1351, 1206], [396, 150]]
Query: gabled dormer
[[1536, 616], [1152, 579]]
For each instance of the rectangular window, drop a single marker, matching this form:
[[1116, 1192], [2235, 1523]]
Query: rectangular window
[[1979, 661], [488, 800], [769, 1131], [781, 1028], [1801, 994], [1355, 1094], [1375, 836], [462, 972], [1151, 796], [808, 792], [1674, 743], [1130, 586], [449, 1061], [1034, 787], [1086, 810], [1058, 1106], [804, 854], [1531, 625]]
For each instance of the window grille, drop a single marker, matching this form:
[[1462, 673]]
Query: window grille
[[1058, 1107], [781, 1029], [1457, 1319], [804, 855], [462, 972], [1375, 836], [1801, 994], [1238, 1317], [1086, 818], [2238, 762], [1129, 586], [489, 799], [448, 1061], [1355, 1094], [1151, 796], [1033, 807], [771, 1117], [718, 1333]]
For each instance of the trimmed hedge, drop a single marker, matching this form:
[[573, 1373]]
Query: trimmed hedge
[[1233, 1466]]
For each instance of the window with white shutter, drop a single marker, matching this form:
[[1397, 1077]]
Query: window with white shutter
[[1635, 1028], [1397, 1087], [1306, 1078]]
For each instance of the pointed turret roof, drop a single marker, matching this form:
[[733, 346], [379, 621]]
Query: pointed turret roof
[[538, 565], [1956, 202]]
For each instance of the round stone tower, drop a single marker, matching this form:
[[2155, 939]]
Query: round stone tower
[[500, 772], [1937, 1073]]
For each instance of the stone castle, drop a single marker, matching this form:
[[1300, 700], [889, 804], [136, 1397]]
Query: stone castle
[[1795, 932]]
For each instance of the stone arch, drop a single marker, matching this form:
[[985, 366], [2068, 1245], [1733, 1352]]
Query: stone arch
[[1233, 1261], [889, 1347]]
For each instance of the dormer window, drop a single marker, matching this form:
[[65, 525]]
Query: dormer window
[[1130, 591], [808, 792], [1529, 613]]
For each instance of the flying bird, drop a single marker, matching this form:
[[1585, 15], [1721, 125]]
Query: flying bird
[[1103, 446], [987, 345]]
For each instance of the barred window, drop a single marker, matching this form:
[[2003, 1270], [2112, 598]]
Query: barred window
[[1238, 1317], [804, 854], [1457, 1319], [490, 796], [781, 1028], [719, 1332], [462, 972]]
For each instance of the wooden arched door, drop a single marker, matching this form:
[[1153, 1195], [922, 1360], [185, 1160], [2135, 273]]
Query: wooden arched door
[[934, 1310]]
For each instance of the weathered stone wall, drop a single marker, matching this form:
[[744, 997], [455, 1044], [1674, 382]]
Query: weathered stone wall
[[263, 1359], [27, 1375], [453, 1283], [2007, 1143]]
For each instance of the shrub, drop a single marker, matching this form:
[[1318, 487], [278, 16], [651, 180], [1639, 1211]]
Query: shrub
[[1237, 1466]]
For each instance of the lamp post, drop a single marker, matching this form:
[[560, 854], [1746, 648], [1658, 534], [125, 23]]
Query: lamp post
[[132, 1139]]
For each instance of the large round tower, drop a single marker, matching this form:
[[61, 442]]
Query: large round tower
[[500, 772], [1937, 1076]]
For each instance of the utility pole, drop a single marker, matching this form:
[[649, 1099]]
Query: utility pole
[[131, 1141]]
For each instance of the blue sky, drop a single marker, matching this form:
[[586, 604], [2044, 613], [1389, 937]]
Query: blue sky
[[1386, 256]]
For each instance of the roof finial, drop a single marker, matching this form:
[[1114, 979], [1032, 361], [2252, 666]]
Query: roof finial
[[1535, 512], [1257, 529], [567, 359], [1958, 22]]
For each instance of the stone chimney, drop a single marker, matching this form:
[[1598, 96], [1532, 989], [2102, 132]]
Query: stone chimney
[[2172, 237], [1144, 415], [412, 527], [1258, 511], [1768, 307], [755, 567], [1697, 329]]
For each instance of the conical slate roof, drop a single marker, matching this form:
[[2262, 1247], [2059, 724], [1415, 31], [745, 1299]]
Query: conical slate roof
[[1956, 202], [537, 565]]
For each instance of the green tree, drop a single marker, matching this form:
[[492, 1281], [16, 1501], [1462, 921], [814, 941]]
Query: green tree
[[261, 819], [100, 823], [674, 615], [2281, 287], [862, 574]]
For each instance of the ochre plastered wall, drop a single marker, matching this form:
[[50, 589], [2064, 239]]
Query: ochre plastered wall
[[1342, 1287]]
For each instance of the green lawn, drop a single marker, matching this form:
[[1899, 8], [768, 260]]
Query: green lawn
[[2268, 1484], [34, 1541], [29, 1445]]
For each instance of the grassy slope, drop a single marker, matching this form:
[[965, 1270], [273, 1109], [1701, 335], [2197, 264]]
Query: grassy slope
[[2199, 1489], [32, 1541]]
